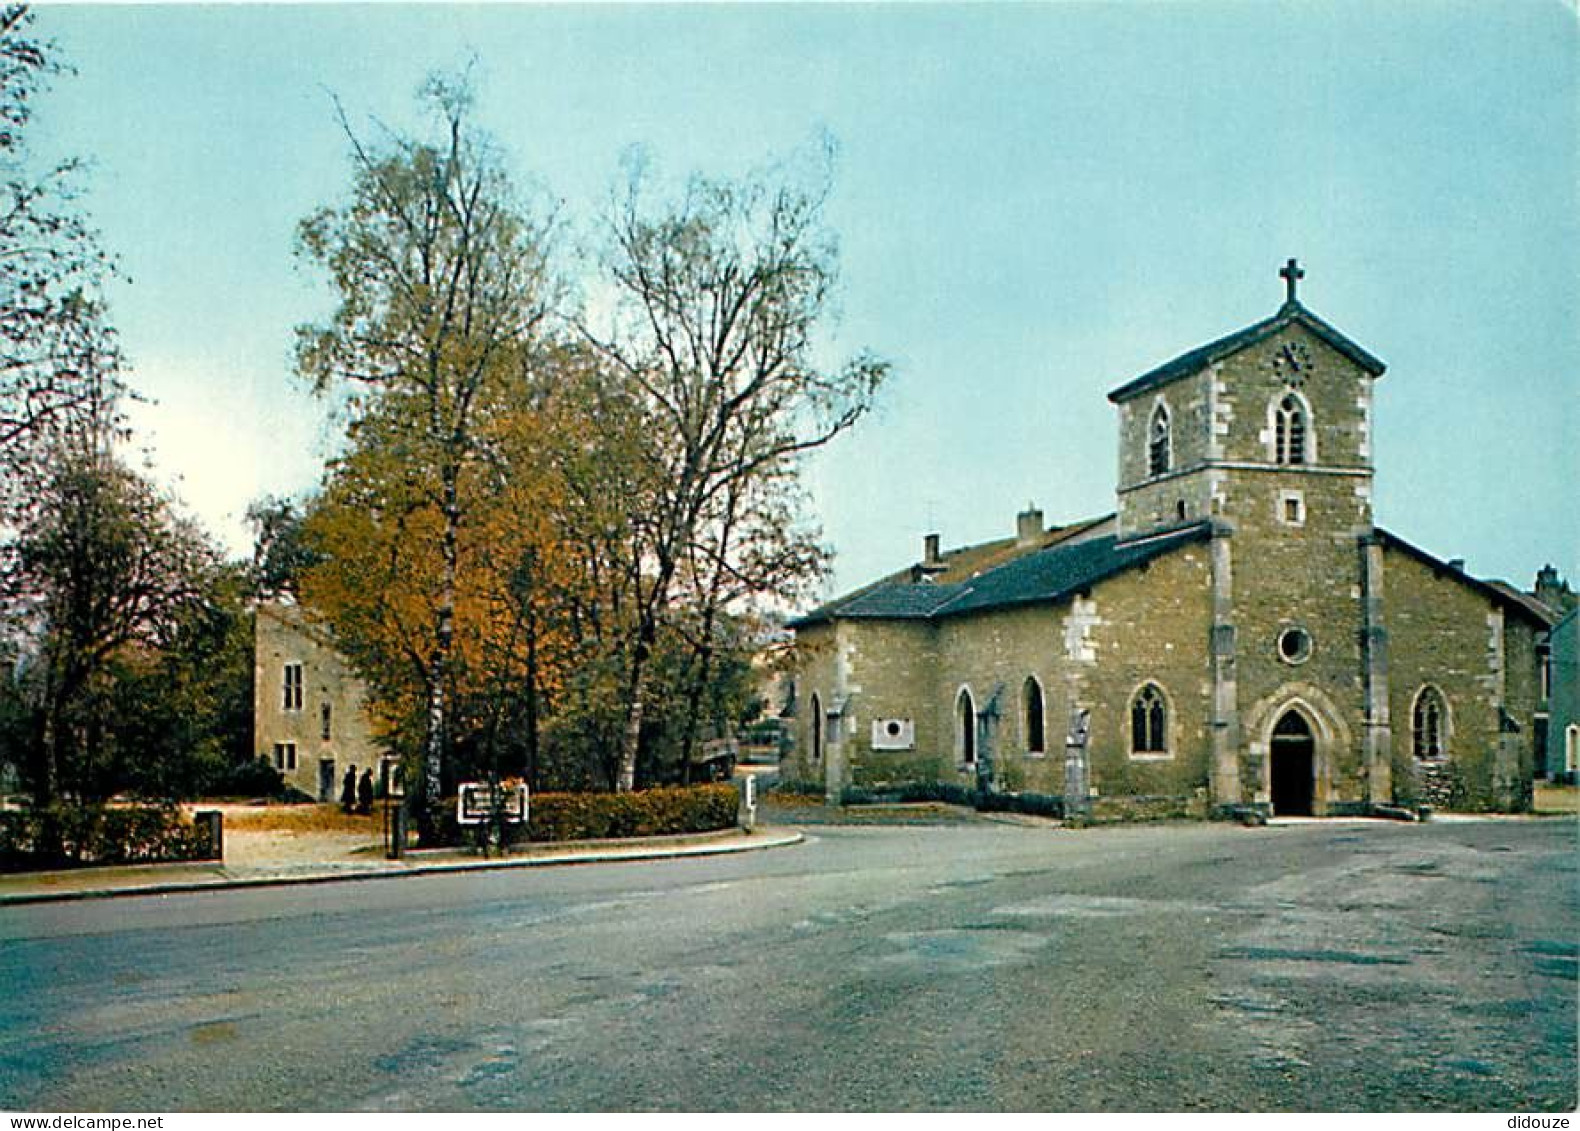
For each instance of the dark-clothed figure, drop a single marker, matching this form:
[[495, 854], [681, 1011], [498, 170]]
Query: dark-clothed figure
[[348, 789], [365, 792]]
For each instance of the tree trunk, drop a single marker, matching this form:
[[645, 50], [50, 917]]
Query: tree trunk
[[436, 740], [694, 696], [705, 650], [636, 693], [531, 768]]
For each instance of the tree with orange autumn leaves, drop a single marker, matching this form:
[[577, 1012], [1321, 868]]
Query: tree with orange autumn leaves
[[378, 532], [443, 286], [549, 534]]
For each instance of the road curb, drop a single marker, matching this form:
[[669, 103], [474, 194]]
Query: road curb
[[624, 856]]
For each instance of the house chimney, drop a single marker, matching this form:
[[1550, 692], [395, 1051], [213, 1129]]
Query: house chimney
[[930, 550], [1457, 564], [1028, 526]]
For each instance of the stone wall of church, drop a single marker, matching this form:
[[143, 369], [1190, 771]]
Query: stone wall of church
[[1338, 392], [1446, 634], [1290, 579], [1225, 415], [875, 671], [1189, 427], [1522, 697], [1094, 652], [1148, 503], [1296, 560], [1153, 626]]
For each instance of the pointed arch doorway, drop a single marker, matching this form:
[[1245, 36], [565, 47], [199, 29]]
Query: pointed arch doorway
[[1293, 757]]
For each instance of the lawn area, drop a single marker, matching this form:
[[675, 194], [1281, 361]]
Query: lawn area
[[318, 818], [1552, 798]]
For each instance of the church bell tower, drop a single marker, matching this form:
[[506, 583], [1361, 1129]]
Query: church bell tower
[[1270, 426]]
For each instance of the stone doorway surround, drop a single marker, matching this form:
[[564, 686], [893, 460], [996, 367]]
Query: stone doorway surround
[[1329, 734]]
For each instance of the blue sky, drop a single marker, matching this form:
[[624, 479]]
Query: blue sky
[[1036, 202]]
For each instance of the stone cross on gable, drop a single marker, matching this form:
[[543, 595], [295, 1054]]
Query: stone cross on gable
[[1291, 273]]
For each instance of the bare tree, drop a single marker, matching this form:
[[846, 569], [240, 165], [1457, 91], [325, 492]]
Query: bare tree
[[58, 356], [721, 296]]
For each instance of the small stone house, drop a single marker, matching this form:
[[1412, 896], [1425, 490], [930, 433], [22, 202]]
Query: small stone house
[[1237, 635], [309, 710]]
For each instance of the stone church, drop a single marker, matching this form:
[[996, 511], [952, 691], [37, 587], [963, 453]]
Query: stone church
[[1238, 635]]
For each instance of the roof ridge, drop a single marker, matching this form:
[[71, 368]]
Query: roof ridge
[[1194, 360]]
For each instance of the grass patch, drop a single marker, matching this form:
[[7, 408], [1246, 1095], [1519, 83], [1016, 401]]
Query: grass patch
[[321, 818], [1552, 798]]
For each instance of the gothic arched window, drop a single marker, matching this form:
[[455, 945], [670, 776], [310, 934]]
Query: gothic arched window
[[1149, 719], [966, 727], [1289, 430], [1429, 725], [1032, 695], [1159, 451]]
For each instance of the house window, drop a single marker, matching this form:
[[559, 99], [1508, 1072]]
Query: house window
[[1544, 660], [966, 731], [1158, 445], [1572, 748], [293, 687], [1149, 722], [1429, 725], [1289, 431], [817, 727], [325, 720], [285, 756], [1032, 694]]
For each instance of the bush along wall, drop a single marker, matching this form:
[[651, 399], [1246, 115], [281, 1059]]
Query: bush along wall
[[666, 811], [63, 836], [1038, 804]]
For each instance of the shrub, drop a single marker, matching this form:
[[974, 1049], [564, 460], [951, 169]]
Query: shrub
[[664, 811], [950, 793], [76, 836], [255, 777], [1036, 804]]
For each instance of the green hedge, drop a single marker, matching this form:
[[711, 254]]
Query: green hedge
[[606, 816], [65, 836]]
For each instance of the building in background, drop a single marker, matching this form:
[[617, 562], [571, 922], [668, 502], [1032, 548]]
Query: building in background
[[309, 710]]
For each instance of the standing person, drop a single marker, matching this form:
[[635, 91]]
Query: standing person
[[365, 793], [348, 789]]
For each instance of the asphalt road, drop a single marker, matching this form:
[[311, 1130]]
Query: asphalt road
[[1319, 966]]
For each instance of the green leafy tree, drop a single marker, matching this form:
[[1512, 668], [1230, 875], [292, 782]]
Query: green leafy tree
[[180, 719], [107, 573], [281, 556]]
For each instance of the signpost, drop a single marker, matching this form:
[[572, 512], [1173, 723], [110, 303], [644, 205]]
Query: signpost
[[394, 807], [749, 802], [492, 805]]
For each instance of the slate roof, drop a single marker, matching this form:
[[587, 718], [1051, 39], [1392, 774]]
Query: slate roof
[[1291, 313], [1051, 573]]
